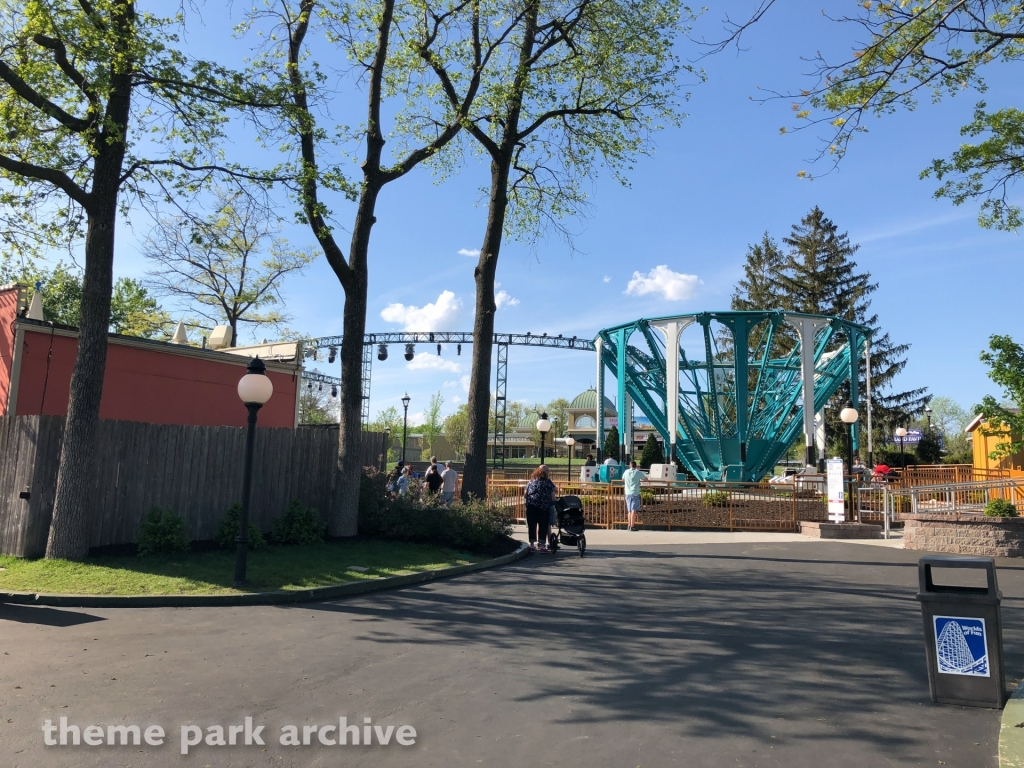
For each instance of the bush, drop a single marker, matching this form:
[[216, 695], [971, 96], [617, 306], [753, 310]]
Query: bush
[[162, 531], [1000, 508], [299, 525], [715, 499], [474, 526], [227, 533], [651, 453], [646, 497]]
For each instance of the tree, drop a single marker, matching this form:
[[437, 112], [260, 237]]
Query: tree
[[96, 100], [938, 47], [388, 44], [569, 88], [949, 420], [133, 312], [611, 444], [227, 267], [1005, 359], [388, 420], [455, 427], [316, 406], [652, 453], [432, 425], [758, 289], [818, 275], [559, 417], [928, 449]]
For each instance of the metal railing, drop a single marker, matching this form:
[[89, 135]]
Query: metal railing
[[890, 502]]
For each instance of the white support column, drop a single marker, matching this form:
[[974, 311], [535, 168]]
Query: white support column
[[672, 330], [807, 328]]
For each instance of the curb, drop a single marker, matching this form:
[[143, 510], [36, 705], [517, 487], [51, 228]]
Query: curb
[[1011, 738], [278, 597]]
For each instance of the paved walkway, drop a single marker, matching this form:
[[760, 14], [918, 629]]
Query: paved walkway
[[802, 654], [599, 537]]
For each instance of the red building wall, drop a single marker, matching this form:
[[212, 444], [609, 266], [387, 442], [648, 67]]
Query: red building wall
[[8, 314], [148, 381]]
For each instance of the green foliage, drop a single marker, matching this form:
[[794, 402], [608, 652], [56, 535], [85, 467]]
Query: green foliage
[[559, 417], [456, 430], [611, 444], [715, 499], [227, 531], [646, 496], [939, 48], [228, 266], [433, 424], [473, 526], [316, 406], [162, 531], [1006, 368], [652, 453], [299, 525], [1000, 508], [928, 449]]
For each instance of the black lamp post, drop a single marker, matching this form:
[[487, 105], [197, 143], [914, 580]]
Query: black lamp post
[[405, 423], [570, 441], [928, 413], [849, 417], [255, 389], [543, 426], [901, 433]]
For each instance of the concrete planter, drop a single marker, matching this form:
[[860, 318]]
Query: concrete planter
[[965, 534]]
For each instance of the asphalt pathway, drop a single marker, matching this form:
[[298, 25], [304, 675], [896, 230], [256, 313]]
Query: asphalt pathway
[[803, 654]]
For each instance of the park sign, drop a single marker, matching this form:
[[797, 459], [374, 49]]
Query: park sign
[[913, 437], [836, 498]]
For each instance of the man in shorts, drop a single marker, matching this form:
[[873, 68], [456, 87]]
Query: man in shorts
[[449, 482], [631, 480]]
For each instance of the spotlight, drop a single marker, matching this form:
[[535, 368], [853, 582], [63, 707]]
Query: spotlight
[[310, 386], [334, 391], [382, 351], [332, 353], [438, 350], [320, 388], [410, 351], [458, 349]]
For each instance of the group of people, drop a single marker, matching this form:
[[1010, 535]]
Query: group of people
[[541, 515], [436, 480]]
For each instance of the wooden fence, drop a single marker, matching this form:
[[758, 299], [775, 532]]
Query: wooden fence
[[732, 507], [194, 471]]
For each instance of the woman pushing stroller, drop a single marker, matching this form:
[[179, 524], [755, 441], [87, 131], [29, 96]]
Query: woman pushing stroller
[[540, 496]]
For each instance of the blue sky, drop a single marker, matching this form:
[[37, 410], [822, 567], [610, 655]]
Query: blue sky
[[715, 185]]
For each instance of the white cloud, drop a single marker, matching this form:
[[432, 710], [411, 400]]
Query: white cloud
[[424, 361], [441, 315], [607, 278], [474, 252], [502, 299], [449, 384], [464, 381], [456, 400], [673, 286]]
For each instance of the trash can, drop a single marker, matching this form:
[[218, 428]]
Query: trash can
[[963, 635]]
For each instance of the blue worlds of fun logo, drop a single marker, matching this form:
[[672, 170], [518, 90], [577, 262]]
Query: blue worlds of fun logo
[[960, 646]]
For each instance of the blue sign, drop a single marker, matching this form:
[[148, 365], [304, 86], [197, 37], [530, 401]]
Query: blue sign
[[960, 646], [913, 437]]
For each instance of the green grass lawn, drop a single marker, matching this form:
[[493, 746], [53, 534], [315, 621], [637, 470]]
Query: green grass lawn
[[208, 573]]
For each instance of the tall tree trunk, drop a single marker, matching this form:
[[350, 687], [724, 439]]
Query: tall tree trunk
[[474, 478]]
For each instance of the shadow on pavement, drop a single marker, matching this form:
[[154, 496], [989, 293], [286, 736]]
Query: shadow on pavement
[[50, 617]]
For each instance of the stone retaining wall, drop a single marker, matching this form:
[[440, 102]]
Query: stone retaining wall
[[965, 534]]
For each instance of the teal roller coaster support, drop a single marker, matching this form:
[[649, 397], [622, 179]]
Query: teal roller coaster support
[[729, 391]]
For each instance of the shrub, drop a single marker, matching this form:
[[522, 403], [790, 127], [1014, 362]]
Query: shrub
[[162, 531], [646, 497], [715, 499], [1000, 508], [651, 453], [299, 525], [227, 533]]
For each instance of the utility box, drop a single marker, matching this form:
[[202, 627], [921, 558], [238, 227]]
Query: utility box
[[611, 472], [963, 634], [662, 472]]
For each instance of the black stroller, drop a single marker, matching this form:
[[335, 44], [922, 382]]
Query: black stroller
[[571, 525]]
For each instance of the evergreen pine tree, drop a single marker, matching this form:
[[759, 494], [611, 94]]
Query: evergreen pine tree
[[652, 453], [818, 275], [611, 444]]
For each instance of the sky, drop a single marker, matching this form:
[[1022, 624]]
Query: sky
[[674, 241]]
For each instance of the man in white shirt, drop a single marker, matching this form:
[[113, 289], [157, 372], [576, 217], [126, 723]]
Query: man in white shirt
[[631, 480], [449, 483]]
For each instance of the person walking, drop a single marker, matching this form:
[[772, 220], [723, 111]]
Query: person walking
[[449, 484], [402, 483], [540, 495], [433, 476], [631, 480]]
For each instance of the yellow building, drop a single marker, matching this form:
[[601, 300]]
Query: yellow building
[[986, 444]]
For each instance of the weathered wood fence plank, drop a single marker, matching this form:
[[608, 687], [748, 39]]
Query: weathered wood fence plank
[[195, 472]]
